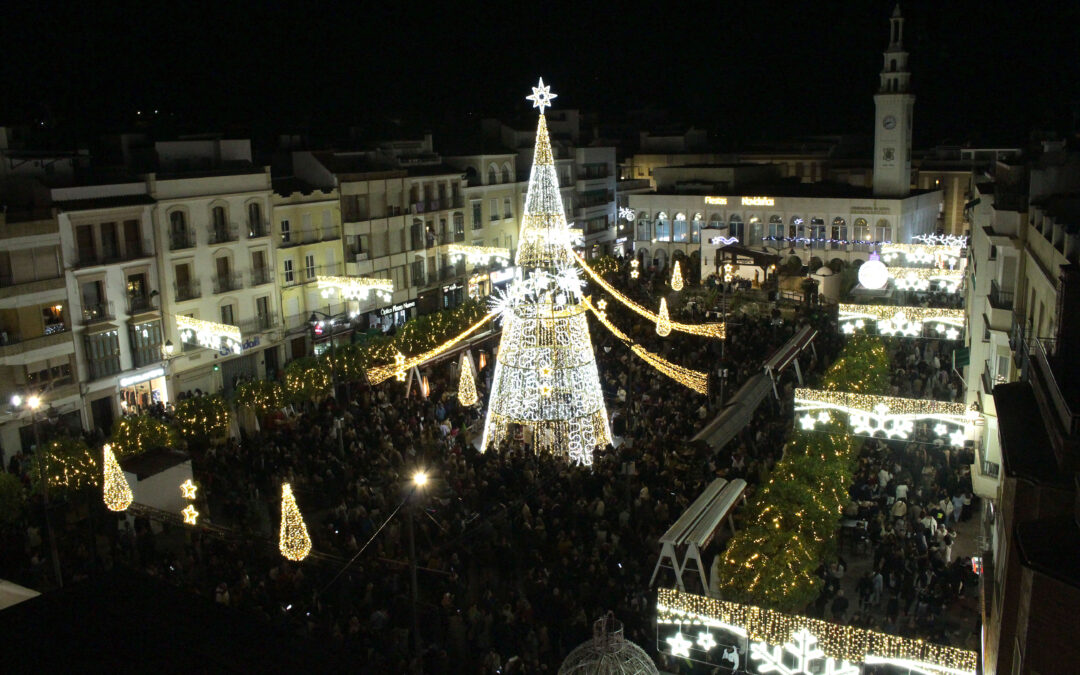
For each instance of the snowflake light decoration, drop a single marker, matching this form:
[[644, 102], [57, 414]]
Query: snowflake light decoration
[[803, 648], [627, 214], [541, 96], [957, 438]]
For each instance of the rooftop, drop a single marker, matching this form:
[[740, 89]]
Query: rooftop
[[104, 202]]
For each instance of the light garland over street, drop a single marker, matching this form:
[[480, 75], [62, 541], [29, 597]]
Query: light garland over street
[[929, 254], [357, 288], [888, 416], [209, 334], [901, 321], [478, 255]]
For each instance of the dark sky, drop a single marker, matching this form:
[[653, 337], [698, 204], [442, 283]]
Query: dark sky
[[749, 69]]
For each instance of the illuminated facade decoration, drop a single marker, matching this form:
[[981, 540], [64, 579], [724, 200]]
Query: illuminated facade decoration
[[545, 370], [925, 278], [627, 214], [209, 334], [293, 540], [191, 516], [873, 275], [117, 491], [634, 274], [478, 255], [923, 254], [776, 642], [357, 288], [883, 416], [950, 240], [902, 321]]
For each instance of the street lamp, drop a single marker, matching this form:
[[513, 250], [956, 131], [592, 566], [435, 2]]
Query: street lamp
[[33, 402], [168, 349], [419, 480]]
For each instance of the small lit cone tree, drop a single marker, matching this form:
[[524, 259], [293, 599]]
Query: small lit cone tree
[[467, 382], [293, 541], [137, 434], [663, 321], [545, 370], [676, 277], [116, 490]]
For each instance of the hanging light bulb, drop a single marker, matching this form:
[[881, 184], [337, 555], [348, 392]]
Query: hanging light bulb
[[663, 322], [294, 542], [117, 492], [467, 384], [676, 278]]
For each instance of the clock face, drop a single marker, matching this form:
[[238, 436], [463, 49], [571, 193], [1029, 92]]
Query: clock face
[[889, 122]]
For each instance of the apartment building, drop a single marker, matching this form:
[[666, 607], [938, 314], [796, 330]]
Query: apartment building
[[306, 234], [37, 352], [212, 219], [113, 290]]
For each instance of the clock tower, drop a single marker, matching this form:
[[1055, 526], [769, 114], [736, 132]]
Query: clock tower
[[895, 105]]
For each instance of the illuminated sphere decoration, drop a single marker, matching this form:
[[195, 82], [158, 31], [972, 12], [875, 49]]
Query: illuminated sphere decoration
[[608, 652], [873, 275]]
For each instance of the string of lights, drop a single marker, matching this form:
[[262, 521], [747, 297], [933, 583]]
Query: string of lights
[[209, 334], [293, 540], [711, 330], [380, 374], [921, 278], [477, 255], [116, 490], [890, 416], [692, 379], [357, 288], [901, 321], [922, 253], [837, 641]]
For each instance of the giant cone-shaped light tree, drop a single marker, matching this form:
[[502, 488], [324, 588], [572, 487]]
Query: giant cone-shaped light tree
[[545, 370]]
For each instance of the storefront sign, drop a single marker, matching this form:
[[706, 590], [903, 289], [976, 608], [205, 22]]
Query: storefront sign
[[757, 201], [140, 378], [451, 287], [499, 276], [872, 210], [247, 344], [716, 201], [387, 311], [621, 240]]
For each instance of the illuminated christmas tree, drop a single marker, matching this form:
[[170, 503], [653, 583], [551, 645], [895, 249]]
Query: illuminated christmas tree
[[676, 277], [293, 541], [117, 491], [545, 371], [467, 384], [663, 320]]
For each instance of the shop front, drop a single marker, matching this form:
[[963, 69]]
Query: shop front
[[393, 316], [140, 390], [453, 294], [479, 285]]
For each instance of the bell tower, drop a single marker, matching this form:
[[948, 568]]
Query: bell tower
[[894, 104]]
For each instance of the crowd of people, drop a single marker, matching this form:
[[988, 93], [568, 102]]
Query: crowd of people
[[516, 553]]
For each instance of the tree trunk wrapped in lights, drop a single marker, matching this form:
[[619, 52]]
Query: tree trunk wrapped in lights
[[545, 369]]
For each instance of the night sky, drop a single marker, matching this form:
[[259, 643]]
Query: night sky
[[749, 70]]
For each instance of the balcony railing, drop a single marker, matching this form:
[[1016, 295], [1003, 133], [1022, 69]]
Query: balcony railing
[[97, 313], [181, 240], [260, 276], [1046, 357], [220, 234], [139, 303], [990, 469], [223, 283], [188, 291], [12, 337], [1000, 299], [258, 229], [331, 233], [34, 276], [259, 324], [990, 380], [92, 258]]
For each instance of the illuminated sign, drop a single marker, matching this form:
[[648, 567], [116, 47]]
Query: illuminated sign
[[386, 311], [757, 201], [499, 276], [141, 377], [717, 201]]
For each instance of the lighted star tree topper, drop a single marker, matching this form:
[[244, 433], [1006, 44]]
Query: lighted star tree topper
[[545, 370]]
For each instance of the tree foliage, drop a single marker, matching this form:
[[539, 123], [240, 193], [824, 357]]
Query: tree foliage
[[203, 418], [67, 465], [139, 433], [262, 396]]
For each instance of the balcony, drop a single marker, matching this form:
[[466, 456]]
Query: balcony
[[188, 291], [990, 380], [181, 240], [138, 304], [100, 368], [223, 283], [258, 229], [260, 276], [221, 234], [32, 283], [998, 298], [13, 342], [109, 257], [1047, 361], [331, 233], [259, 324], [96, 313]]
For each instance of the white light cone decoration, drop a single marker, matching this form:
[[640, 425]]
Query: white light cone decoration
[[676, 278], [663, 322], [467, 383], [873, 275], [545, 369], [117, 491], [294, 542]]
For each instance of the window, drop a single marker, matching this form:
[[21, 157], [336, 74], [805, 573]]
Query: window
[[102, 354], [507, 212], [145, 343], [416, 272], [255, 216], [262, 312], [459, 227], [506, 173], [289, 276], [227, 314], [776, 227], [477, 217], [493, 210], [309, 266], [285, 230], [492, 176], [84, 240]]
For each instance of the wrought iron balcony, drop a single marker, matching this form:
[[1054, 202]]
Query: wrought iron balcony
[[188, 291], [224, 283], [97, 313]]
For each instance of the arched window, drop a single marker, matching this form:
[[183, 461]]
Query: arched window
[[776, 227], [695, 228], [860, 231], [506, 173], [817, 229], [796, 229], [679, 227], [884, 231], [493, 175], [179, 237], [838, 232], [644, 226], [736, 228], [663, 227], [755, 231], [255, 221]]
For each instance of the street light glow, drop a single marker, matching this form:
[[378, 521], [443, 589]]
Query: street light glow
[[420, 479], [16, 400], [33, 402]]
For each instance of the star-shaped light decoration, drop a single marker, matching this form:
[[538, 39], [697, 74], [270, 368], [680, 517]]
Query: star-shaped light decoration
[[399, 363], [807, 422], [705, 640], [952, 334], [824, 417], [940, 429], [545, 371], [190, 515], [602, 305], [680, 646], [188, 488], [541, 96], [957, 438], [545, 390], [848, 328]]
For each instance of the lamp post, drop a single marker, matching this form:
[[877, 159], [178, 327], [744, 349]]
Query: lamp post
[[419, 480], [33, 402], [332, 320]]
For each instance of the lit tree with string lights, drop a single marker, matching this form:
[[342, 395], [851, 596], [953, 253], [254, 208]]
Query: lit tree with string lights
[[545, 371]]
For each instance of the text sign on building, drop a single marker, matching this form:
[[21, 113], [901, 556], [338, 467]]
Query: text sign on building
[[386, 311], [141, 377], [716, 201], [757, 201]]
